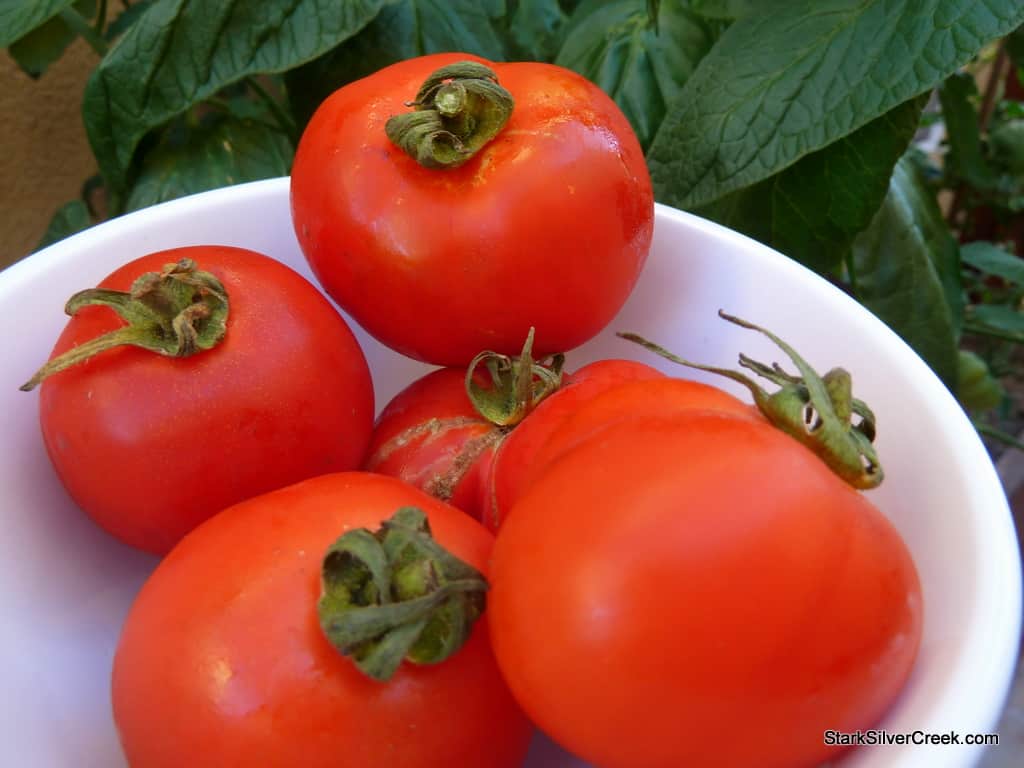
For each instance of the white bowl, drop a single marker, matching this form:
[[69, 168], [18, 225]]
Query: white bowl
[[65, 586]]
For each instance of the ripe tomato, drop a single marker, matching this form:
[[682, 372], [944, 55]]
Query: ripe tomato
[[222, 661], [431, 435], [700, 590], [548, 225], [525, 456], [149, 446]]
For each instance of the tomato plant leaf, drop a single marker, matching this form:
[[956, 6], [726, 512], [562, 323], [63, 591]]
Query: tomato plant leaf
[[1004, 319], [812, 210], [905, 269], [617, 46], [993, 260], [965, 157], [19, 17], [223, 150], [778, 86], [402, 30], [69, 219], [183, 51], [733, 9], [37, 50], [535, 28]]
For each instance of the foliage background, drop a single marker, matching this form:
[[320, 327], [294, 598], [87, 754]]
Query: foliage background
[[790, 120]]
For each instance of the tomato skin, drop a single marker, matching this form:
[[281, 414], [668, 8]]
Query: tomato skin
[[149, 446], [523, 460], [517, 458], [700, 590], [427, 432], [548, 225], [222, 663]]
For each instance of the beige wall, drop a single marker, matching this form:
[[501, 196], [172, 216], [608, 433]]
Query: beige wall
[[44, 155]]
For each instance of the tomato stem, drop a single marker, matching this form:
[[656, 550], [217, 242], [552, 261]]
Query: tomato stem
[[458, 109], [397, 594], [518, 384], [816, 410], [177, 312]]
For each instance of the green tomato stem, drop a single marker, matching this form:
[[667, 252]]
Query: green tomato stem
[[518, 384], [177, 313], [458, 109], [396, 595], [816, 410]]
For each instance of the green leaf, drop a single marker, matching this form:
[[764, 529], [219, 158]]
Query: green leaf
[[965, 157], [976, 388], [45, 44], [402, 30], [70, 218], [734, 9], [19, 17], [1007, 321], [615, 45], [535, 28], [993, 260], [907, 272], [779, 86], [812, 210], [223, 150], [183, 51]]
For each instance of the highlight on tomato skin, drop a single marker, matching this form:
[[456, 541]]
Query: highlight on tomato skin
[[502, 242], [222, 660], [700, 589]]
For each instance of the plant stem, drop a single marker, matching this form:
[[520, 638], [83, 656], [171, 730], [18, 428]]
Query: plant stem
[[851, 271], [988, 103], [80, 26], [984, 330], [998, 434], [101, 17], [281, 117]]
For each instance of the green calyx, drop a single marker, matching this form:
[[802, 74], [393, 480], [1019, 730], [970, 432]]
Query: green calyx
[[816, 410], [176, 312], [518, 384], [458, 109], [397, 595]]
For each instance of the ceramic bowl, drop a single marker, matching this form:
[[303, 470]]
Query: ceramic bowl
[[65, 586]]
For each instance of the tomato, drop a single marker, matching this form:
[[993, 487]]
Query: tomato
[[525, 456], [431, 435], [150, 445], [700, 589], [548, 225], [222, 661], [518, 454]]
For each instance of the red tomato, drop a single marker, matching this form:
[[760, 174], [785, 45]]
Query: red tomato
[[222, 661], [518, 453], [431, 436], [150, 446], [548, 225], [525, 456], [700, 590]]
